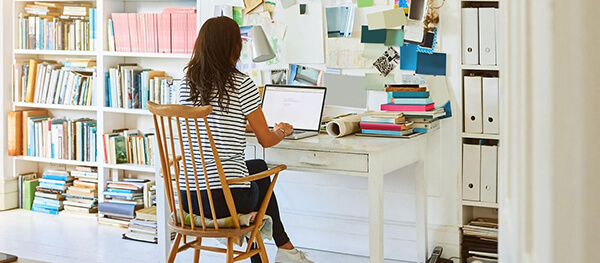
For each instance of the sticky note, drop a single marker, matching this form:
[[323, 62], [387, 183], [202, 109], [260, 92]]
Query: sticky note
[[373, 51], [365, 3], [431, 64], [374, 81], [394, 37], [376, 20], [372, 36], [408, 57], [394, 18]]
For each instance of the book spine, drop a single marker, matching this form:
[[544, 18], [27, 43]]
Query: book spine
[[394, 107], [381, 126]]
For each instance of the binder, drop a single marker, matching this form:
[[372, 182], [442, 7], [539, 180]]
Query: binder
[[487, 36], [472, 98], [491, 106], [489, 173], [471, 172], [470, 36]]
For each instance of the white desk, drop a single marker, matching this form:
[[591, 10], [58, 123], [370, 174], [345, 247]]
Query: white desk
[[352, 155]]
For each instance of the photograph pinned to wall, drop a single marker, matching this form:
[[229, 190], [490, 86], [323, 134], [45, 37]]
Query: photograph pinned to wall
[[306, 76], [413, 32], [278, 76], [339, 20], [387, 62], [429, 42], [348, 53]]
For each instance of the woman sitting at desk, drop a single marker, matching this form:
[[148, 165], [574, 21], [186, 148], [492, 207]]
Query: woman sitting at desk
[[211, 78]]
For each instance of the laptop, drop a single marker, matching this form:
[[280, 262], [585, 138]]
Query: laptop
[[300, 106]]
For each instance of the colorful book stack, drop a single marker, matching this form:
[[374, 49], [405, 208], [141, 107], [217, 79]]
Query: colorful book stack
[[82, 196], [61, 138], [57, 26], [128, 146], [121, 200], [385, 123], [49, 195], [415, 103], [130, 87], [51, 82], [172, 31], [143, 227]]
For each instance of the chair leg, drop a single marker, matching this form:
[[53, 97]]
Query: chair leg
[[174, 248], [229, 250], [197, 251], [262, 249]]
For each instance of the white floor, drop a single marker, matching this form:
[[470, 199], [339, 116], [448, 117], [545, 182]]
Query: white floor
[[74, 239]]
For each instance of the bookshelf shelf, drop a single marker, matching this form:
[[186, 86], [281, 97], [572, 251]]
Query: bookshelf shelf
[[54, 52], [480, 204], [127, 111], [55, 106], [131, 167], [479, 67], [56, 161], [146, 55], [481, 136]]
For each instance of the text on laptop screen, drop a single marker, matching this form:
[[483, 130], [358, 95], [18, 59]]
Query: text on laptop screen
[[300, 107]]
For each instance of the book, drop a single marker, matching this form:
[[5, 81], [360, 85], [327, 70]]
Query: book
[[15, 133], [385, 126], [40, 209], [49, 195], [21, 178], [396, 107], [405, 89], [410, 101], [392, 133], [31, 80], [408, 94], [29, 187], [81, 210], [148, 213]]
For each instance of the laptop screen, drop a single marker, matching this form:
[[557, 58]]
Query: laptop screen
[[299, 106]]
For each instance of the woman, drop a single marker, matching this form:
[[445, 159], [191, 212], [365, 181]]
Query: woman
[[211, 78]]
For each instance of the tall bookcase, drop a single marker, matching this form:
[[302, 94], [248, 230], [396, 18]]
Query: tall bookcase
[[470, 207], [107, 118]]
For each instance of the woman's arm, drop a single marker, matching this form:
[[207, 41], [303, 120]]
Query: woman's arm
[[267, 138]]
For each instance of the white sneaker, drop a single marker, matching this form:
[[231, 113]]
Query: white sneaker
[[291, 256]]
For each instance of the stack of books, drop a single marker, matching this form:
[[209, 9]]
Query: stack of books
[[143, 227], [51, 82], [172, 31], [57, 26], [480, 240], [49, 195], [129, 86], [389, 123], [121, 200], [82, 196], [416, 104], [128, 146]]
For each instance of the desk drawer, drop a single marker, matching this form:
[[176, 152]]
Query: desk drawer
[[318, 159]]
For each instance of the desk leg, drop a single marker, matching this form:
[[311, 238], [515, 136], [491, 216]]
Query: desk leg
[[376, 218], [421, 206]]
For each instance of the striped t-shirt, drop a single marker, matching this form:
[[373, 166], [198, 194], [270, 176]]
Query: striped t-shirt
[[228, 129]]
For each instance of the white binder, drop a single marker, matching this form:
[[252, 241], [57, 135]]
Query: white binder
[[472, 96], [487, 36], [471, 172], [489, 173], [470, 36], [491, 106]]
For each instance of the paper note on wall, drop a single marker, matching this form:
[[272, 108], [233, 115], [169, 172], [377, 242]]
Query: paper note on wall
[[374, 81], [408, 57], [413, 31], [373, 51], [304, 37], [434, 64], [394, 37], [390, 19], [364, 3], [372, 36], [347, 53]]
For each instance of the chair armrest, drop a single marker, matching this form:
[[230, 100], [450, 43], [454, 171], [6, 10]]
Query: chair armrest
[[258, 176]]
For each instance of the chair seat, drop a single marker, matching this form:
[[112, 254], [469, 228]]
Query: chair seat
[[210, 231]]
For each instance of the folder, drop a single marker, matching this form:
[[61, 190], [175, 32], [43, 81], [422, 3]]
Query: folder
[[470, 36], [471, 172], [491, 106], [487, 36], [489, 173], [472, 97]]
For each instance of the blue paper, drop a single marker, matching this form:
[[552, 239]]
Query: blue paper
[[434, 64], [408, 57], [372, 36]]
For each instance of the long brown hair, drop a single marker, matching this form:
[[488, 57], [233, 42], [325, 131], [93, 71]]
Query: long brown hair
[[211, 71]]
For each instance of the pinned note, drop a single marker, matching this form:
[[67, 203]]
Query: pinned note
[[394, 18], [394, 37], [434, 64], [372, 36], [376, 20], [374, 81], [364, 3], [408, 57], [373, 51]]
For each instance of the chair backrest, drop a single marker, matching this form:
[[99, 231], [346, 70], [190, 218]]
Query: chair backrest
[[167, 149]]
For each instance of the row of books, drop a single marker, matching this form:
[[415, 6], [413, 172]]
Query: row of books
[[480, 240], [57, 26], [61, 138], [128, 146], [54, 83], [121, 200], [129, 86], [172, 31]]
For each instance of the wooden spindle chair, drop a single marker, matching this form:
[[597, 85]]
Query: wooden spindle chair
[[164, 116]]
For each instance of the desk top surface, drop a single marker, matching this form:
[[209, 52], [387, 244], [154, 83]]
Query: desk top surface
[[347, 143]]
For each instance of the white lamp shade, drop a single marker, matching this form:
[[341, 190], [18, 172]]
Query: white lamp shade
[[261, 48]]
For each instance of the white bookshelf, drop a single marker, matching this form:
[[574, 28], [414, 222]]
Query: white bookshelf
[[107, 118]]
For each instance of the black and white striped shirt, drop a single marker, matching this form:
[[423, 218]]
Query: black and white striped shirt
[[228, 131]]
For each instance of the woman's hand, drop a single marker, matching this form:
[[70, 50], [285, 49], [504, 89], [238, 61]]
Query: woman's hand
[[286, 128]]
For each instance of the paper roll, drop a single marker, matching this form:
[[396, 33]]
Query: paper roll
[[344, 126]]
